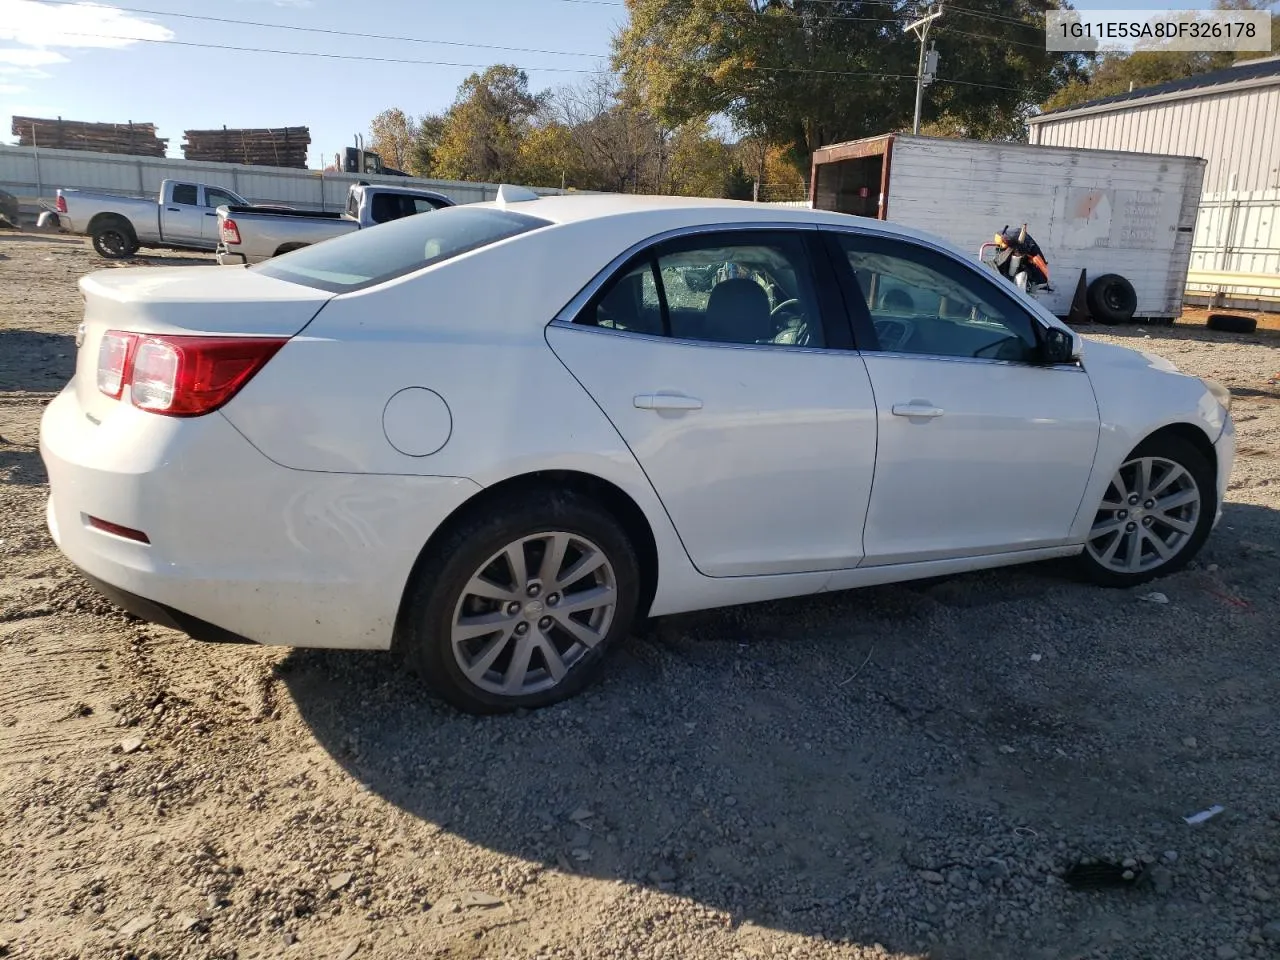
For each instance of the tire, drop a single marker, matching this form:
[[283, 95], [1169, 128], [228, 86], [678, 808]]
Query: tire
[[1111, 299], [114, 241], [1231, 323], [439, 598], [1183, 542], [289, 248]]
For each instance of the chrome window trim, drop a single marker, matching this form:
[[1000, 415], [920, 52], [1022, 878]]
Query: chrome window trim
[[1022, 364], [711, 344]]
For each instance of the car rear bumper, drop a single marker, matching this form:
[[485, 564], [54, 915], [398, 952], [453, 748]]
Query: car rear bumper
[[239, 547], [226, 256]]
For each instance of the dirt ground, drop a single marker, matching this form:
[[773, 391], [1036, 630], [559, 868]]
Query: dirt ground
[[896, 772]]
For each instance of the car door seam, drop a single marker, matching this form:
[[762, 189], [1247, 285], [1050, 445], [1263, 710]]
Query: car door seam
[[634, 457]]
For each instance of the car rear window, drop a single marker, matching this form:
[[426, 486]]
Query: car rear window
[[377, 254]]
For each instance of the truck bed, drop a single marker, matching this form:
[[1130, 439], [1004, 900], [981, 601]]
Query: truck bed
[[276, 212]]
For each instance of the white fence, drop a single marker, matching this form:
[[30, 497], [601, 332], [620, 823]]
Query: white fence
[[1235, 259], [33, 174]]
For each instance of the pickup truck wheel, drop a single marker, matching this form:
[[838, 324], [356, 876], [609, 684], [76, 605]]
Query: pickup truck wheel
[[114, 242]]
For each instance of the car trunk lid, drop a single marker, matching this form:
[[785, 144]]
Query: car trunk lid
[[182, 301]]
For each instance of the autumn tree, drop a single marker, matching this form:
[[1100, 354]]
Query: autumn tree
[[1113, 72], [804, 73], [392, 136], [427, 144], [483, 130]]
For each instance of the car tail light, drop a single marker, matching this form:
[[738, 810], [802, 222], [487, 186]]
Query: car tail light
[[61, 204], [229, 232], [113, 361], [181, 376]]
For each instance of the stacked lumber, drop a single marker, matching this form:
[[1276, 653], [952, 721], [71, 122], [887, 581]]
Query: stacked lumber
[[265, 147], [137, 139]]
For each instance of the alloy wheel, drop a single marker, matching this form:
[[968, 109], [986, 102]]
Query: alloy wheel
[[1147, 516], [533, 611]]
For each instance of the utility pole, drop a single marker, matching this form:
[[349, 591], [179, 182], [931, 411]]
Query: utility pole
[[928, 65]]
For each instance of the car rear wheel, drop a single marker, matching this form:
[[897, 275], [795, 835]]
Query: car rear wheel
[[517, 607], [1154, 517], [114, 242]]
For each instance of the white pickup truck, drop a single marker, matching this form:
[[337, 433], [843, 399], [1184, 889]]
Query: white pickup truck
[[184, 216], [252, 234]]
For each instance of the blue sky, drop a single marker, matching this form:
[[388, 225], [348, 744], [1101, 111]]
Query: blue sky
[[69, 60]]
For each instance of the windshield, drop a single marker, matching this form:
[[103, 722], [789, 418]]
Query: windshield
[[376, 254]]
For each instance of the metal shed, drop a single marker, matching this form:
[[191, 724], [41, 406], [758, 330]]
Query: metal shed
[[1229, 117]]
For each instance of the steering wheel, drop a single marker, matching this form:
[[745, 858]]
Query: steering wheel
[[996, 349], [783, 305], [885, 328]]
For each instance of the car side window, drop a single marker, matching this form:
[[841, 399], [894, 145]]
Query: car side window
[[923, 302], [629, 303], [423, 205], [218, 198], [185, 194], [739, 288]]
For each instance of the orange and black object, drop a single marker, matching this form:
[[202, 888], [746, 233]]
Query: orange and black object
[[1013, 241]]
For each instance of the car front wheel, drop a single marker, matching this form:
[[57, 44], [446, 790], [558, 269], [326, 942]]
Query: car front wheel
[[516, 607], [1154, 517]]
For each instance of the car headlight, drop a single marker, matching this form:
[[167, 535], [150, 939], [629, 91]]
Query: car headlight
[[1220, 393]]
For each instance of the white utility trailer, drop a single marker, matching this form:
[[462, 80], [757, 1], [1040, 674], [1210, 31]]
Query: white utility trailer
[[1126, 220]]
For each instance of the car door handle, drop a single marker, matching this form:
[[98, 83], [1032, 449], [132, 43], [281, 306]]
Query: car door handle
[[666, 401], [211, 214], [173, 209], [916, 408]]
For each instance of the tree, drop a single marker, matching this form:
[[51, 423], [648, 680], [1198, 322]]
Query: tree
[[804, 73], [423, 155], [392, 136], [483, 130], [1114, 72]]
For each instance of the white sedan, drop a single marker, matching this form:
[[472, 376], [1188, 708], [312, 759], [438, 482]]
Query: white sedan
[[492, 436]]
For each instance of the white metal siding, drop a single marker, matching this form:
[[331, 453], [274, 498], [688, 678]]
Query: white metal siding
[[965, 191], [1238, 232], [1236, 131], [27, 173]]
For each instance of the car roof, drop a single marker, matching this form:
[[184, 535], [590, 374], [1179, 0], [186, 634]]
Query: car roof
[[571, 208]]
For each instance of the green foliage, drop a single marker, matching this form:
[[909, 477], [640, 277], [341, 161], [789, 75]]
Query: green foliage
[[484, 128], [805, 73], [1110, 73]]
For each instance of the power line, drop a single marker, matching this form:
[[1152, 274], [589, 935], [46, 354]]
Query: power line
[[980, 36], [311, 53], [894, 4], [480, 66], [337, 33]]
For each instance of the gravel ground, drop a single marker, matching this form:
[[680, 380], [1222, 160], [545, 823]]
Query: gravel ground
[[896, 772]]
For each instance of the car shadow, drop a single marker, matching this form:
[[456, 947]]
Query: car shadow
[[35, 362], [797, 764], [21, 465]]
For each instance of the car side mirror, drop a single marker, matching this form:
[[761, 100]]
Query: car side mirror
[[1058, 346]]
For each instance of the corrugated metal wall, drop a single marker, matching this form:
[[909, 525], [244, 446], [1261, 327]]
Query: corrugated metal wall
[[1237, 133], [1237, 233], [28, 174]]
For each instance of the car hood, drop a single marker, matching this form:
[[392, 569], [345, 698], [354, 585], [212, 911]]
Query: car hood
[[1112, 357]]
